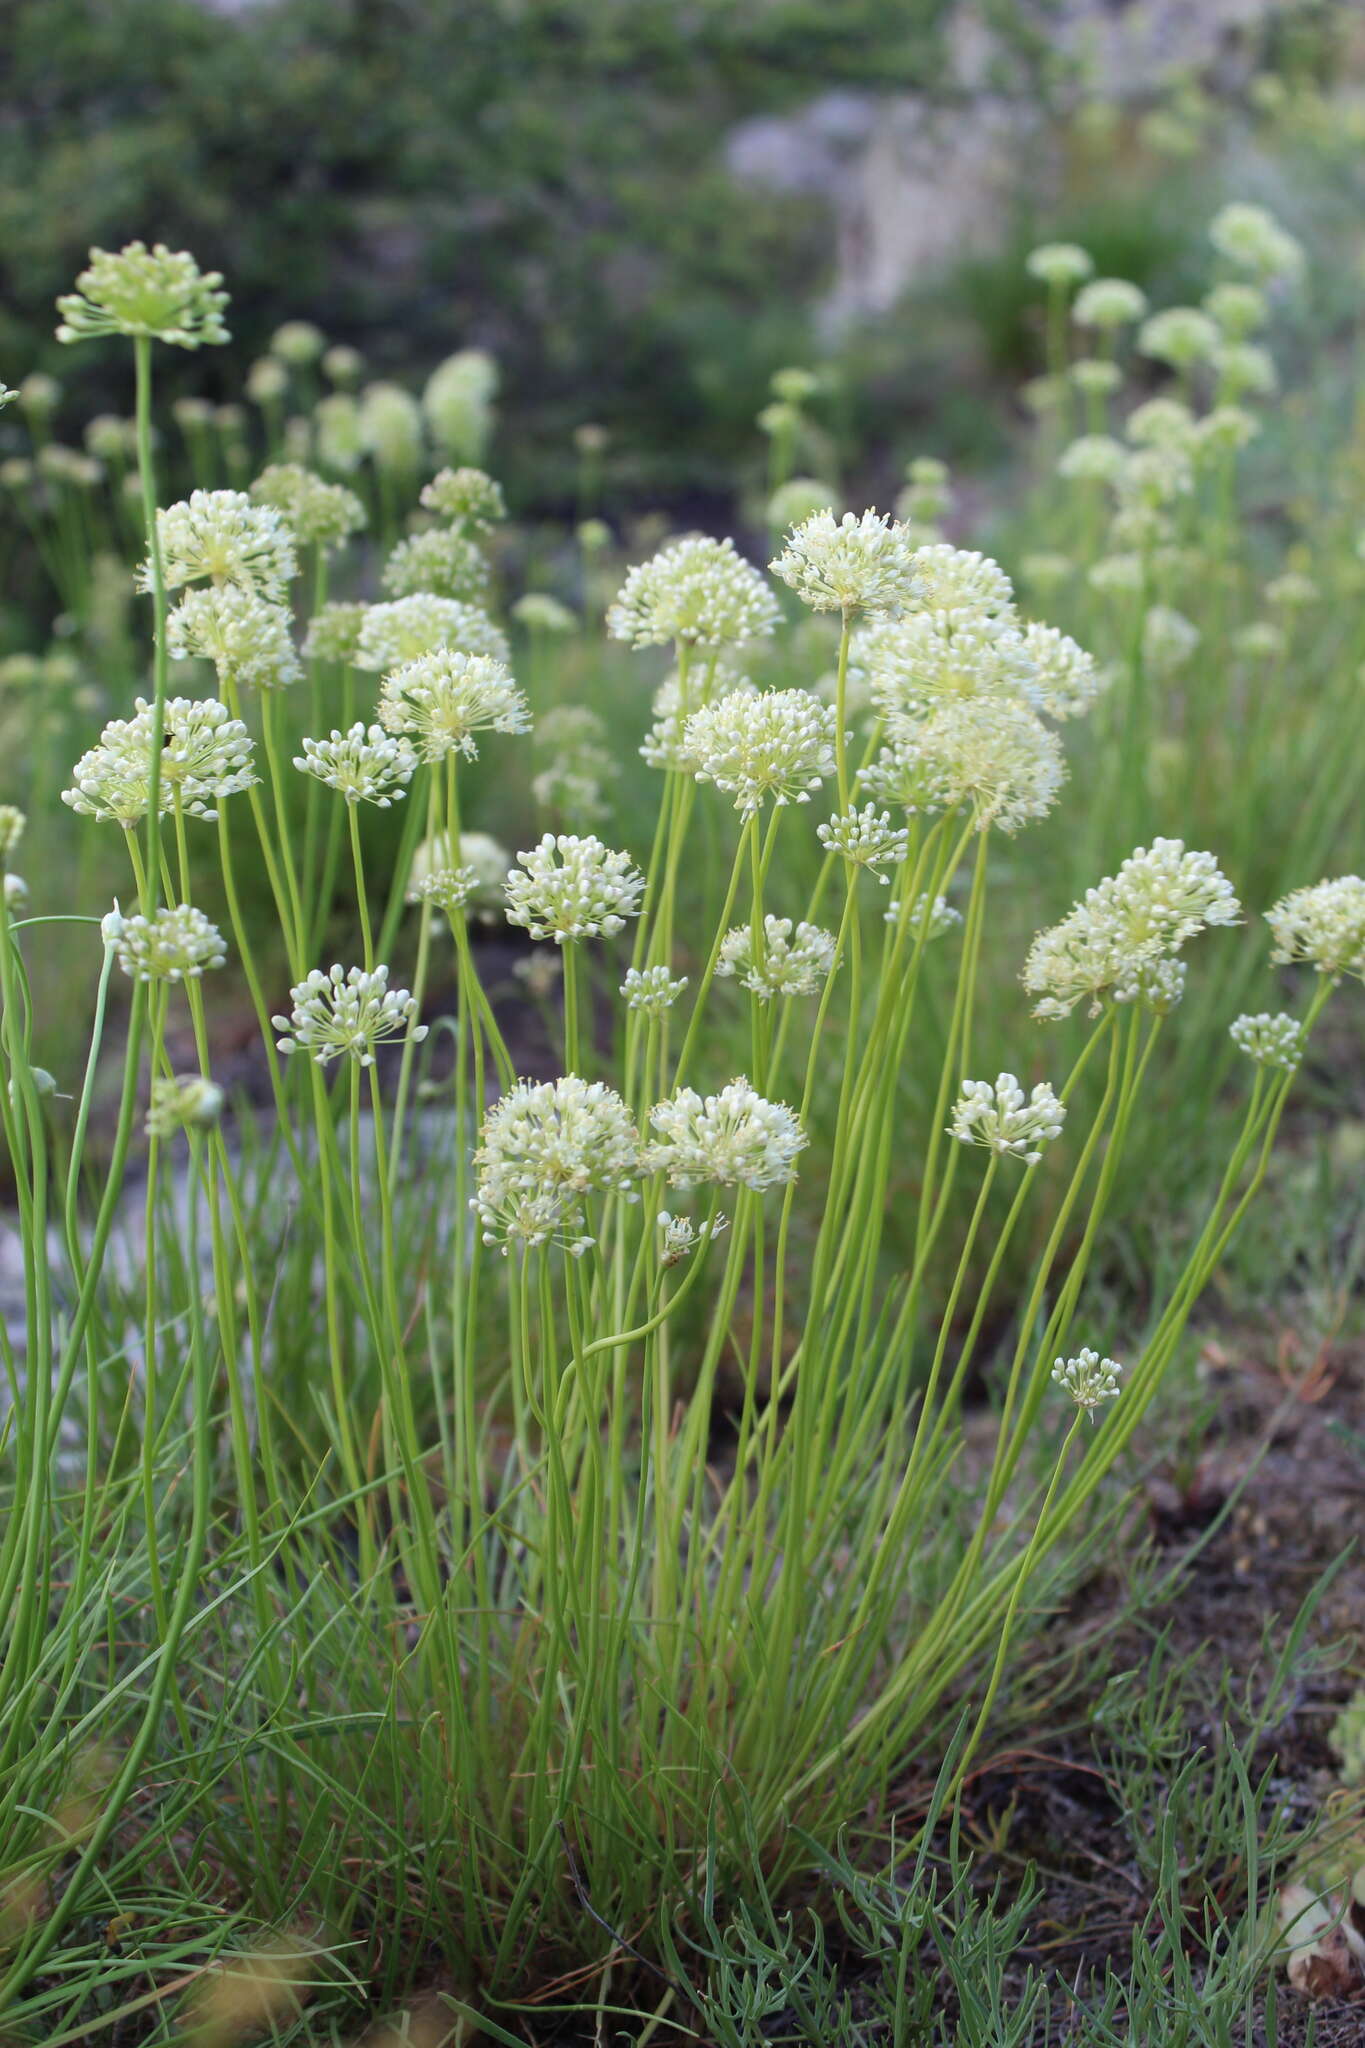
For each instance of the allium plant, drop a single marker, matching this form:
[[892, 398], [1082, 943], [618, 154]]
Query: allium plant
[[443, 1514]]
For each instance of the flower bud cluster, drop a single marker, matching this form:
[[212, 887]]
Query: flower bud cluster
[[442, 699], [178, 943], [408, 627], [573, 888], [545, 1148], [366, 764], [205, 756], [221, 537], [1271, 1040], [998, 1117], [793, 963], [347, 1013], [734, 1138], [1089, 1379], [778, 744], [246, 637], [1323, 925], [695, 593]]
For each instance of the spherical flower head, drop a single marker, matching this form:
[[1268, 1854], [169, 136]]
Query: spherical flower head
[[1253, 239], [347, 1013], [991, 754], [1168, 640], [916, 663], [318, 514], [573, 888], [1271, 1040], [205, 756], [343, 365], [458, 402], [539, 613], [866, 839], [221, 537], [664, 745], [1067, 681], [1226, 430], [408, 627], [778, 744], [544, 1150], [1095, 376], [697, 593], [1262, 640], [472, 875], [366, 764], [1293, 591], [15, 895], [298, 343], [444, 562], [930, 916], [441, 700], [860, 565], [1238, 310], [1245, 369], [1180, 336], [651, 989], [1157, 985], [1089, 1379], [1000, 1118], [679, 1236], [146, 293], [1091, 459], [795, 962], [12, 823], [246, 637], [799, 499], [467, 497], [334, 633], [1161, 897], [1109, 303], [1323, 925], [267, 381], [1060, 264], [183, 1102], [390, 423], [177, 944], [339, 432], [734, 1139], [949, 579]]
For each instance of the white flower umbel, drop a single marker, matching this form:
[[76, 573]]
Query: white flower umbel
[[159, 293], [449, 888], [346, 1012], [652, 989], [663, 745], [177, 944], [476, 878], [409, 627], [941, 916], [573, 888], [1158, 985], [1060, 264], [334, 633], [444, 562], [1161, 423], [1000, 1118], [443, 699], [467, 497], [695, 592], [318, 514], [1237, 309], [545, 1148], [1108, 303], [866, 839], [796, 962], [679, 1236], [1253, 239], [915, 663], [1271, 1040], [1089, 1379], [183, 1102], [1067, 681], [1091, 459], [12, 823], [779, 744], [1323, 925], [15, 895], [221, 537], [990, 753], [1160, 898], [1179, 335], [246, 637], [735, 1138], [948, 579], [205, 756], [366, 764], [860, 565]]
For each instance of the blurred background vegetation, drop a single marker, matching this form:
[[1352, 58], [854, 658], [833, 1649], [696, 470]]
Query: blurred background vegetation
[[551, 180]]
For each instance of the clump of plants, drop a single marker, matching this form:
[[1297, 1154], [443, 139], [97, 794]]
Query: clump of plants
[[479, 1518]]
